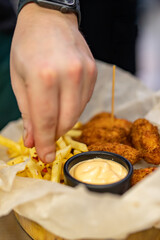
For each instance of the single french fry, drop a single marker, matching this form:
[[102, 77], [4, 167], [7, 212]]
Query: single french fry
[[22, 174], [16, 160], [28, 173], [12, 154], [74, 133], [49, 170], [69, 156], [56, 170], [76, 145], [34, 169], [20, 141], [24, 150], [41, 165], [32, 152], [77, 125], [62, 173], [61, 143], [63, 153], [75, 152], [65, 159], [47, 176], [15, 147]]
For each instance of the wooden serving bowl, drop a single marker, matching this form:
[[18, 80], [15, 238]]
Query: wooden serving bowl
[[36, 232]]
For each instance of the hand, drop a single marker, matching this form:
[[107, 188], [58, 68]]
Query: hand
[[53, 75]]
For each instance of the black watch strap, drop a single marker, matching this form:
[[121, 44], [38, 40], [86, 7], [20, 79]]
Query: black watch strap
[[59, 7]]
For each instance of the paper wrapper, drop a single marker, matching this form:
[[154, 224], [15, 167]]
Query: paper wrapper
[[76, 213]]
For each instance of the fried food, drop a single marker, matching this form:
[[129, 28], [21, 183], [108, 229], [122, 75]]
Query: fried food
[[145, 137], [98, 120], [106, 129], [66, 147], [104, 120], [139, 174], [75, 144], [94, 135], [104, 115], [108, 124], [127, 152]]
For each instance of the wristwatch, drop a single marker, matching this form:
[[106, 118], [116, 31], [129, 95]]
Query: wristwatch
[[64, 6]]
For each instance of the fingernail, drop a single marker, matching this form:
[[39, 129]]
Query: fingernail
[[25, 134], [50, 157]]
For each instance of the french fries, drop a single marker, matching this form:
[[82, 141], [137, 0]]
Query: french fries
[[76, 145], [33, 169], [63, 153], [61, 143], [11, 145], [16, 160], [56, 170], [74, 133], [66, 147]]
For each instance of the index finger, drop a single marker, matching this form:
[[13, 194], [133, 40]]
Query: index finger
[[43, 99]]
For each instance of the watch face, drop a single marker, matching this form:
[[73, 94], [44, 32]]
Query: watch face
[[67, 2]]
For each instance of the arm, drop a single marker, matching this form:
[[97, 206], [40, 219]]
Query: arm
[[53, 74]]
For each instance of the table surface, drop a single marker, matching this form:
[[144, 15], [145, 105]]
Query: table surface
[[11, 230]]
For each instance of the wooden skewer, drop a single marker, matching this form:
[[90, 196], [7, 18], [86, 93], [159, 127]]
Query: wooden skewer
[[113, 90]]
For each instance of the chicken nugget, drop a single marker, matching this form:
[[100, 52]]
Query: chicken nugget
[[123, 123], [108, 123], [145, 137], [100, 117], [104, 115], [139, 174], [127, 152], [94, 135]]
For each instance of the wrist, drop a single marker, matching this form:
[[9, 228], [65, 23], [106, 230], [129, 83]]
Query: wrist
[[33, 11], [71, 9]]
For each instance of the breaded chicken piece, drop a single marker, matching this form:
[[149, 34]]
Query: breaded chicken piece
[[145, 137], [94, 135], [127, 152], [109, 124], [111, 128], [139, 174], [104, 115]]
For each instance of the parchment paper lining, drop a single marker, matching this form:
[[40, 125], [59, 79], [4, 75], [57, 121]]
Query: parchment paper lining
[[75, 213]]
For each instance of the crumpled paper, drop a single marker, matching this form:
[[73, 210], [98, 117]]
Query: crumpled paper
[[76, 213]]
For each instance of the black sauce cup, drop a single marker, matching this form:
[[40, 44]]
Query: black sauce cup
[[118, 187]]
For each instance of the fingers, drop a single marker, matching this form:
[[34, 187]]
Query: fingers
[[70, 96], [19, 89], [90, 76], [52, 103], [90, 73], [43, 99], [75, 91]]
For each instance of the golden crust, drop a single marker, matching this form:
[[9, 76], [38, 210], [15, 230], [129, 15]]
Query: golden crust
[[139, 174], [108, 124], [104, 115], [127, 152], [102, 128], [93, 135], [145, 137]]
